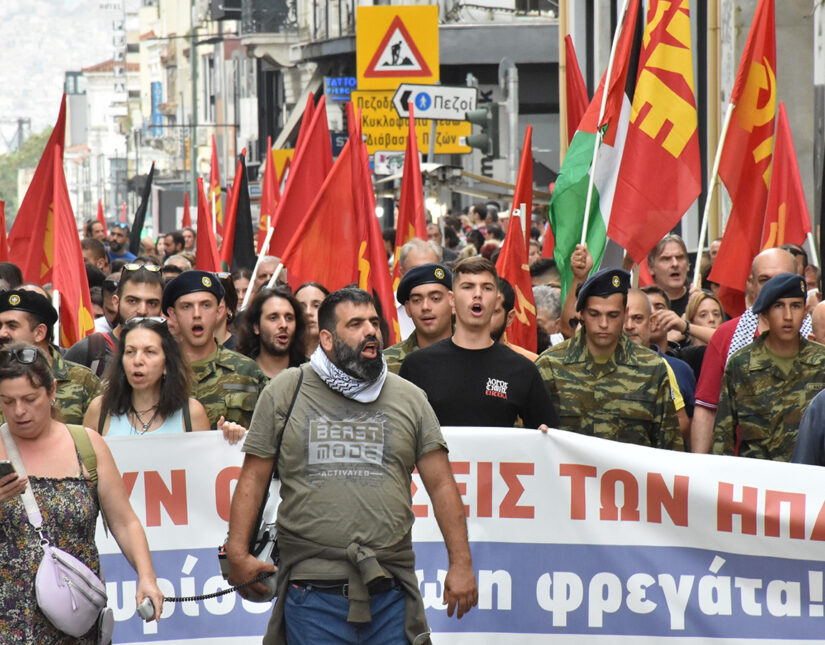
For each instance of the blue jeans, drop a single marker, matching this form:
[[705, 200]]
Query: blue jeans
[[317, 618]]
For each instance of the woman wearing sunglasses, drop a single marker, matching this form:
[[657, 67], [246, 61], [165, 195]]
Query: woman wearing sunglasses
[[69, 500], [147, 388]]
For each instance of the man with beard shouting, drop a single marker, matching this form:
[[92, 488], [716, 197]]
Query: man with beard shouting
[[346, 435]]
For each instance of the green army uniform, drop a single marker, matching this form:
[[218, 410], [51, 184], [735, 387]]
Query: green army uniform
[[227, 384], [396, 354], [760, 406], [627, 398], [76, 387]]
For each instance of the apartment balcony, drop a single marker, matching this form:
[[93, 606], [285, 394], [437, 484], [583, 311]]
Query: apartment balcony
[[269, 27]]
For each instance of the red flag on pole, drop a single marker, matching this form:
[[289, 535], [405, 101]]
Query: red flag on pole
[[786, 218], [206, 252], [186, 220], [306, 122], [523, 193], [215, 191], [270, 194], [310, 166], [512, 266], [342, 228], [412, 214], [101, 217], [4, 245], [44, 240], [662, 137], [745, 164], [123, 213], [577, 99]]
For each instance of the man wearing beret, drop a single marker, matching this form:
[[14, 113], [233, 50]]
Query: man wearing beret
[[768, 384], [601, 382], [226, 382], [28, 316], [424, 291], [469, 379]]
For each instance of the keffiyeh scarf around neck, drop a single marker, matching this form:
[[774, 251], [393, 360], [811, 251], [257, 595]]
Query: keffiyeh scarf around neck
[[349, 386]]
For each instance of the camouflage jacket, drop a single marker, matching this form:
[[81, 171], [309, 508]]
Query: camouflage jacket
[[760, 407], [76, 387], [626, 399], [396, 354], [227, 384]]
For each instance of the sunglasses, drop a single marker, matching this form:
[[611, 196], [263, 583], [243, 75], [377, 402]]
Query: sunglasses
[[110, 285], [135, 267], [160, 320], [24, 355]]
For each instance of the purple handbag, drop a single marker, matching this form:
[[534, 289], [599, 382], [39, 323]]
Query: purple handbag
[[68, 592]]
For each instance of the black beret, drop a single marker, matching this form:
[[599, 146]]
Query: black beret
[[784, 285], [31, 302], [603, 283], [424, 274], [191, 282]]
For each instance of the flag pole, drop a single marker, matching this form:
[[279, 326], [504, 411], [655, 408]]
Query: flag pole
[[814, 254], [269, 231], [599, 134], [275, 275], [711, 184]]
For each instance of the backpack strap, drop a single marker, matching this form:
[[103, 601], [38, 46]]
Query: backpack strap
[[89, 458], [187, 418]]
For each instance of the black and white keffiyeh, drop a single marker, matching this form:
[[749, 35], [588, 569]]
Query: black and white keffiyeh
[[745, 331], [349, 386]]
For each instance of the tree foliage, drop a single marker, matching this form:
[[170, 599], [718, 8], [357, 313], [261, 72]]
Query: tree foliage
[[26, 156]]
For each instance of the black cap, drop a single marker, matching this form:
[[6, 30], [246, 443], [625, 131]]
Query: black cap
[[784, 285], [424, 274], [603, 283], [31, 302], [191, 282]]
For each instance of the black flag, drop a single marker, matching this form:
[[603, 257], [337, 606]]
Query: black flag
[[140, 215], [243, 255]]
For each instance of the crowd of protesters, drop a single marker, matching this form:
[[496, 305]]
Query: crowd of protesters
[[661, 365]]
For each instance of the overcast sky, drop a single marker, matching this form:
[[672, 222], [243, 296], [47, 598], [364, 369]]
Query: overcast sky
[[41, 40]]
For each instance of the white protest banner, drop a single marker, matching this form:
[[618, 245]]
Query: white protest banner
[[574, 540]]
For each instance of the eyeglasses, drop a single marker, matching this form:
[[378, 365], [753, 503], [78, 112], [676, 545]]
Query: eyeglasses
[[154, 268], [160, 320], [24, 355]]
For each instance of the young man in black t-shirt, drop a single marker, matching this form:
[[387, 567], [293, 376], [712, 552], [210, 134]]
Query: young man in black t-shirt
[[469, 379]]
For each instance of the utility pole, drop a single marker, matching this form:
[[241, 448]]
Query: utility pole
[[193, 147]]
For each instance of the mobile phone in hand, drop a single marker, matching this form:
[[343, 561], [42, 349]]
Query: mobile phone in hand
[[6, 467]]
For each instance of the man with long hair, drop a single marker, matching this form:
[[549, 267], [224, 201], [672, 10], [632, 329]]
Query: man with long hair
[[271, 331]]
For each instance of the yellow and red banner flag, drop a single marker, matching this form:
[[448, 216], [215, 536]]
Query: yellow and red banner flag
[[206, 252], [523, 193], [786, 217], [412, 214], [577, 99], [512, 266], [45, 243], [270, 195], [660, 174], [745, 164], [215, 191]]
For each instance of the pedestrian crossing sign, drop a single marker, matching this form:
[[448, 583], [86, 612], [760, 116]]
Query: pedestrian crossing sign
[[396, 44]]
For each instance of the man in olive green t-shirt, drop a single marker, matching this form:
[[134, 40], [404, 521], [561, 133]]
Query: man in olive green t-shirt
[[346, 450]]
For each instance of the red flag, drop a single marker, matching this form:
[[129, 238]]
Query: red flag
[[206, 252], [412, 214], [786, 218], [306, 122], [44, 240], [186, 220], [577, 99], [270, 194], [745, 165], [228, 241], [123, 213], [523, 193], [662, 137], [549, 244], [215, 192], [512, 266], [101, 218], [310, 165], [342, 228]]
